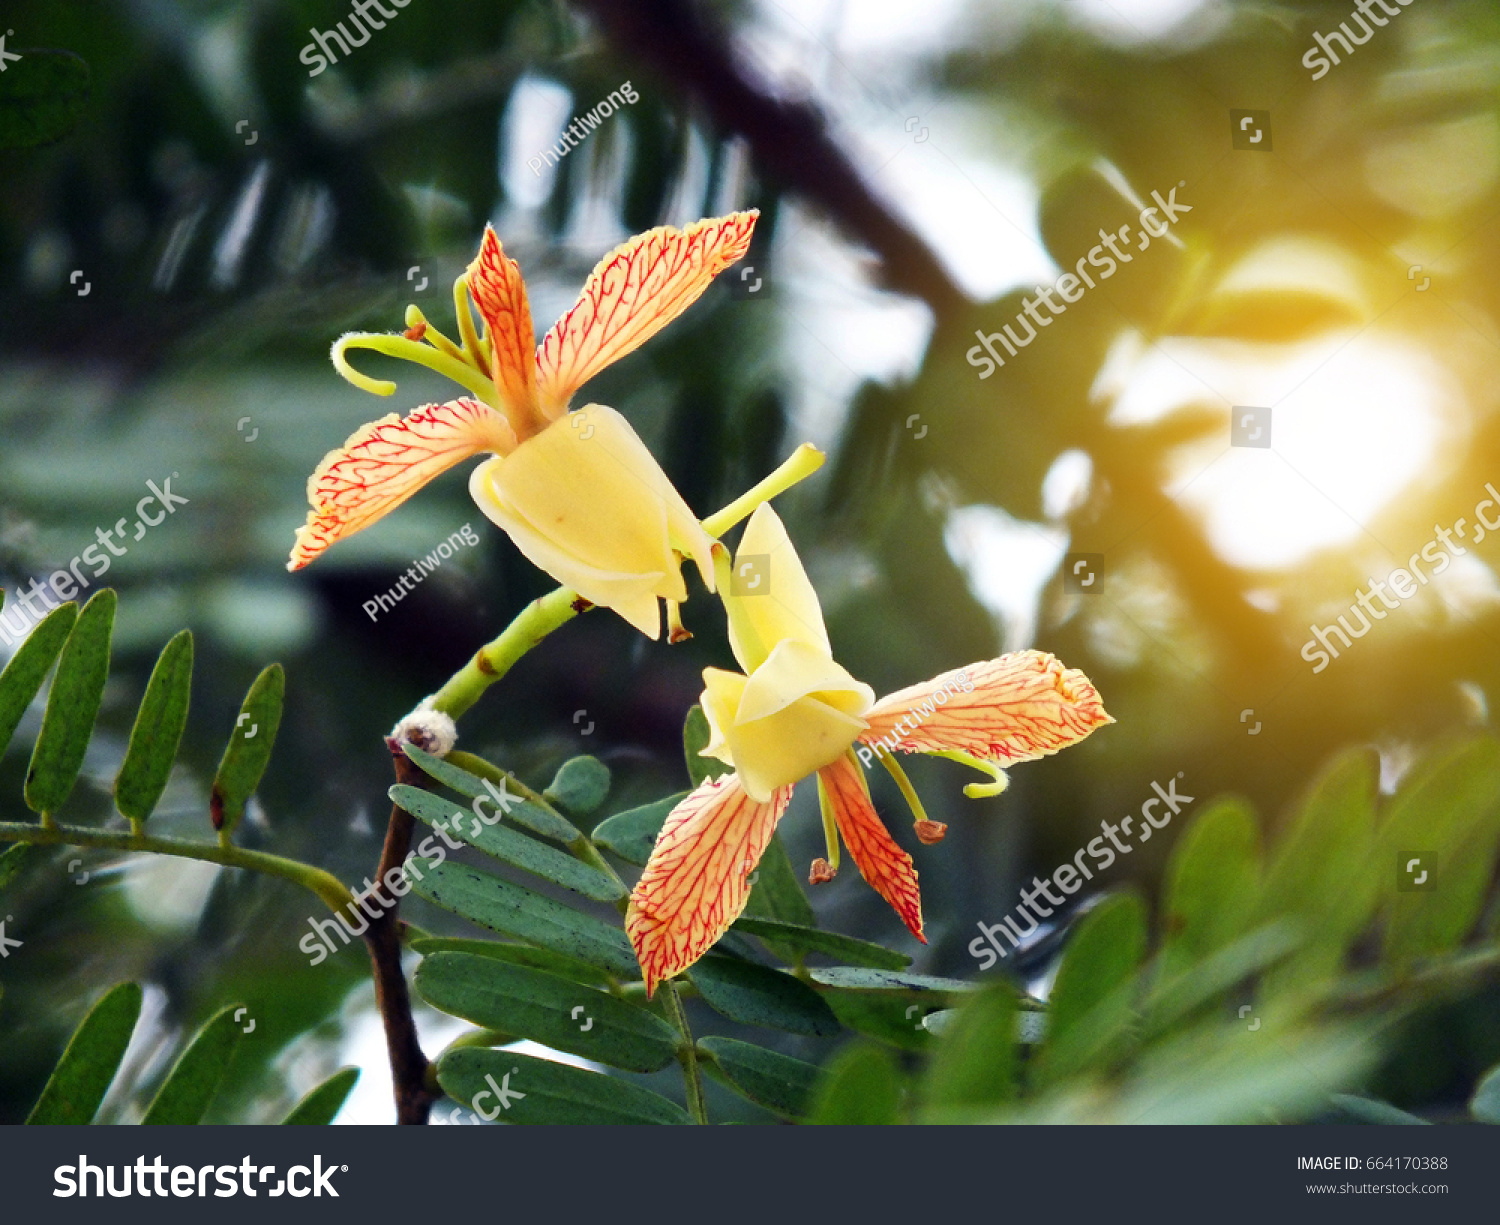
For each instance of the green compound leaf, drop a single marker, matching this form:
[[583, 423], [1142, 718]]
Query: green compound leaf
[[1092, 1000], [189, 1088], [695, 738], [511, 910], [248, 752], [43, 95], [810, 940], [861, 1085], [516, 955], [322, 1104], [467, 775], [547, 1009], [506, 844], [1445, 815], [974, 1065], [29, 666], [631, 835], [72, 706], [776, 893], [541, 1091], [82, 1077], [778, 1082], [158, 731], [888, 1016], [757, 995], [580, 785]]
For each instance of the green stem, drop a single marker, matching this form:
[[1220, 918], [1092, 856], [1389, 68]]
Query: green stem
[[687, 1053], [328, 887], [495, 659]]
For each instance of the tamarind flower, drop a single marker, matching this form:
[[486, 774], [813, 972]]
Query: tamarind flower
[[577, 491], [794, 711]]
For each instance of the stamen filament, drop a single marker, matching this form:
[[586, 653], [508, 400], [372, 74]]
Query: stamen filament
[[434, 337], [830, 825], [466, 332], [412, 351], [913, 800]]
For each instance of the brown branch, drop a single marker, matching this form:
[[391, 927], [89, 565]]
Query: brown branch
[[392, 996], [788, 136]]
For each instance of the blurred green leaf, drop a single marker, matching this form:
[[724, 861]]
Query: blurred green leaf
[[1485, 1104], [542, 1091], [887, 1016], [321, 1105], [974, 1063], [547, 1009], [28, 667], [43, 95], [1174, 997], [861, 1085], [190, 1086], [1445, 811], [580, 785], [248, 752], [1212, 884], [1324, 869], [1368, 1110], [72, 706], [515, 954], [82, 1077], [695, 738], [13, 860], [157, 732], [506, 844], [513, 911], [631, 834], [758, 995], [768, 1078], [811, 940], [1092, 999]]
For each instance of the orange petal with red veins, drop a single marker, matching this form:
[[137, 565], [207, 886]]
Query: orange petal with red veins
[[884, 865], [696, 882], [498, 290], [634, 292], [1016, 708], [387, 461]]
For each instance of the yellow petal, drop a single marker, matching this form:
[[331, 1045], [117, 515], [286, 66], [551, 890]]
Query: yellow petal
[[384, 463], [772, 600], [585, 501], [794, 670], [781, 748], [634, 292]]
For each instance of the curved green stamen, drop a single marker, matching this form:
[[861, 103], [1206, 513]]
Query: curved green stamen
[[409, 350], [830, 825], [913, 800], [975, 791]]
